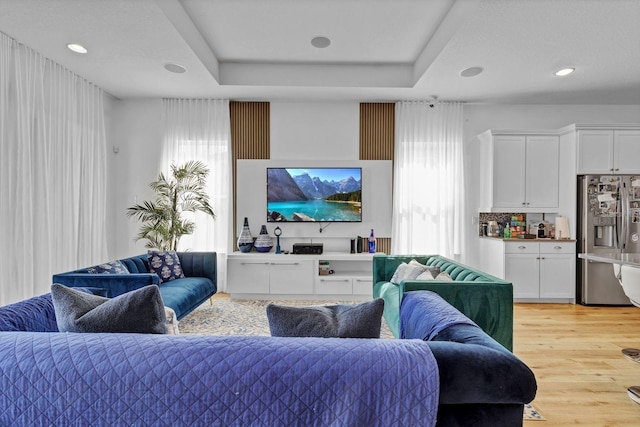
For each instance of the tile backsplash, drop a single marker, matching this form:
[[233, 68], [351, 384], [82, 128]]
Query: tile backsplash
[[500, 217]]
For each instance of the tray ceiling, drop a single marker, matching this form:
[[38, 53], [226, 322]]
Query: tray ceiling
[[380, 49]]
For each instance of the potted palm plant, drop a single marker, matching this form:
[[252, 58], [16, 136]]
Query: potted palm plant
[[162, 220]]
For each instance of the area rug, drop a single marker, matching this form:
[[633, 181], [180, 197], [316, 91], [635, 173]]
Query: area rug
[[531, 413], [249, 317], [244, 317]]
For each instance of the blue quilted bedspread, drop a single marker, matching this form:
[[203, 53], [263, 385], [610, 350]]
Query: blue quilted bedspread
[[66, 379], [424, 314]]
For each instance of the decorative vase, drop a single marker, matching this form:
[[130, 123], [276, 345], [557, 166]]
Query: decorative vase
[[264, 242], [245, 240]]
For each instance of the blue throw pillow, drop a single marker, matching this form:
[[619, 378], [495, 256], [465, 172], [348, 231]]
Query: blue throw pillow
[[113, 267], [165, 264], [139, 311]]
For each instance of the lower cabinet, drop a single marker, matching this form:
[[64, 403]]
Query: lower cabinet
[[259, 276], [523, 271], [327, 276], [539, 270], [342, 285]]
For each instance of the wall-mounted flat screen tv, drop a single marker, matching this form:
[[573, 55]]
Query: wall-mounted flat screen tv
[[314, 194]]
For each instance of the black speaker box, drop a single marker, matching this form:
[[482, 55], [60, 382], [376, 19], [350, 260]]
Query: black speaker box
[[307, 248]]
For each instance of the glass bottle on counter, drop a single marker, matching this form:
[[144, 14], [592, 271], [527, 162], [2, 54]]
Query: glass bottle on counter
[[507, 231], [372, 243]]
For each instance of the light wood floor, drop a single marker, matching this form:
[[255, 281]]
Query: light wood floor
[[574, 352]]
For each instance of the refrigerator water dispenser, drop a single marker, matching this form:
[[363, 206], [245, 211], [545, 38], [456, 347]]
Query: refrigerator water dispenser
[[604, 232]]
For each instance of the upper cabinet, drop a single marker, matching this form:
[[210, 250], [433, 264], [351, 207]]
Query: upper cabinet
[[608, 151], [520, 171]]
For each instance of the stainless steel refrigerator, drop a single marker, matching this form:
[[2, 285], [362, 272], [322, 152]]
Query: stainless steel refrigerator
[[608, 221]]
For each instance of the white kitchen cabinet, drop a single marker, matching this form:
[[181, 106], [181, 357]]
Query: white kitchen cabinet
[[522, 270], [540, 270], [509, 171], [607, 151], [557, 274], [281, 276], [520, 171], [542, 168]]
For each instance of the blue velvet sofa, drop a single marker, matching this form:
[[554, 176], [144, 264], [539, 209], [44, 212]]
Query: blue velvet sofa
[[482, 383], [458, 377], [98, 379], [182, 295]]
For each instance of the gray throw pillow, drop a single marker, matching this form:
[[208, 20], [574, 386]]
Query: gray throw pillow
[[331, 321], [139, 311]]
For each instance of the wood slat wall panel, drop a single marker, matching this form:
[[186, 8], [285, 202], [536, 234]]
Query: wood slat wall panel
[[250, 137], [377, 136], [383, 244], [377, 131], [250, 130]]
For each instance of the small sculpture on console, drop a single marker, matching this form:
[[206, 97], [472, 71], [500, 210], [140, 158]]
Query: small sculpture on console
[[277, 232]]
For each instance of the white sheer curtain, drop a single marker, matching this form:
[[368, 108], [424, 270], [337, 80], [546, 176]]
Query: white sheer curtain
[[428, 196], [53, 171], [199, 129]]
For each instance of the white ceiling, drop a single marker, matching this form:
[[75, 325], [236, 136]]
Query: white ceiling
[[380, 49]]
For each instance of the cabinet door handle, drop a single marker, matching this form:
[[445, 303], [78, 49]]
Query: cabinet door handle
[[253, 263], [522, 247], [557, 247], [362, 280], [340, 280], [284, 263]]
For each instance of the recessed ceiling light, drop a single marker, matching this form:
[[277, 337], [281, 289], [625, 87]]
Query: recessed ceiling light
[[565, 71], [77, 48], [174, 68], [471, 71], [320, 42]]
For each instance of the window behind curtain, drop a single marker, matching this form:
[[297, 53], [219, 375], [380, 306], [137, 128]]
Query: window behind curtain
[[428, 179], [199, 129]]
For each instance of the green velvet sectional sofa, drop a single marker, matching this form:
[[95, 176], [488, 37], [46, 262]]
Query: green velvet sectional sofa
[[483, 298]]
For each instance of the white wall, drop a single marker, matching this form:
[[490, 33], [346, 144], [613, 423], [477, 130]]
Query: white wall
[[376, 203], [137, 135], [322, 134], [315, 130], [320, 131]]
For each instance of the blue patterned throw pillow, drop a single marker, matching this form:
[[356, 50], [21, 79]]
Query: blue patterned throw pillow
[[165, 264], [113, 267]]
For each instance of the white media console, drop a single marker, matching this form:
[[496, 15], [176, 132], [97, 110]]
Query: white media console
[[288, 276]]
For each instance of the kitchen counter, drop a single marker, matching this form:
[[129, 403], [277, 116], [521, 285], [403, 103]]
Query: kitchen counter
[[537, 239], [631, 259]]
